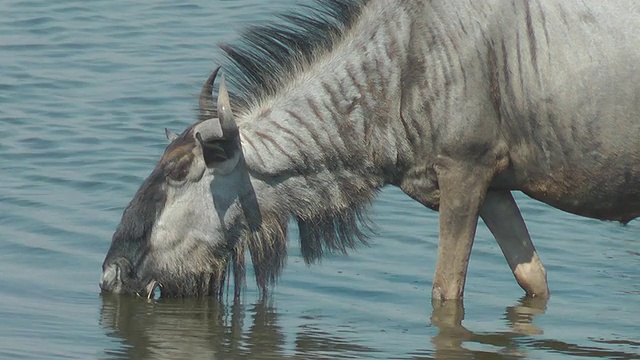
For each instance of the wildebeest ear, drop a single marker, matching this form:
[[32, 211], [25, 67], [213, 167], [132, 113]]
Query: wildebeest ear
[[216, 151], [170, 135], [221, 143]]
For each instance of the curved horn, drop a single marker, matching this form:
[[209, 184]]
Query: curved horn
[[206, 97], [227, 123]]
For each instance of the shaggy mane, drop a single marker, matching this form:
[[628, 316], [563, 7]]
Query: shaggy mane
[[268, 56], [260, 64], [331, 233]]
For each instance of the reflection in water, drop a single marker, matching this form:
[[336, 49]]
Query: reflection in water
[[170, 329], [520, 316], [209, 329], [514, 344], [448, 317]]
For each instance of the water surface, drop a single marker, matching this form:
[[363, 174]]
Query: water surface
[[86, 89]]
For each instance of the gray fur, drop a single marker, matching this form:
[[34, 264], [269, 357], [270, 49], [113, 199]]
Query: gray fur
[[448, 101]]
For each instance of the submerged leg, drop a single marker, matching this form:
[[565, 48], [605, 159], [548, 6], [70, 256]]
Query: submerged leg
[[462, 189], [502, 216]]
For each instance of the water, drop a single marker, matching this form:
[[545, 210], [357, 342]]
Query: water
[[86, 89]]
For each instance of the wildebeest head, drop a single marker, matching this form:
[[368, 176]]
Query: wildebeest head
[[177, 234]]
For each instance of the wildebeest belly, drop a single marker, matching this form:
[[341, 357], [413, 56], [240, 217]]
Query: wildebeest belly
[[592, 185], [575, 140]]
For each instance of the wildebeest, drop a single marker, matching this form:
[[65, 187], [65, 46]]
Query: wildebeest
[[456, 103]]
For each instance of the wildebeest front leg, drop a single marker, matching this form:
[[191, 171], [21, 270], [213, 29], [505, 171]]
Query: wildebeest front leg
[[502, 216], [462, 190]]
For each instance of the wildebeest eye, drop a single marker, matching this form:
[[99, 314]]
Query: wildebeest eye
[[177, 171]]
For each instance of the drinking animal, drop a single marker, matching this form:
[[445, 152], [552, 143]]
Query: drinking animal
[[456, 103]]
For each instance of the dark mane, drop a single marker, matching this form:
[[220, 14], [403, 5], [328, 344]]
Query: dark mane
[[268, 55], [258, 65]]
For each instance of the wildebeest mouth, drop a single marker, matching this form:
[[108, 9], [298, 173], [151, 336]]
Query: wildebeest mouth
[[118, 278], [150, 289]]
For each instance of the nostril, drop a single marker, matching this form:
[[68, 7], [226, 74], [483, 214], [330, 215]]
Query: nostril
[[110, 278]]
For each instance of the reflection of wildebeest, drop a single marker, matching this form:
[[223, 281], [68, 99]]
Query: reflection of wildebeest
[[457, 103]]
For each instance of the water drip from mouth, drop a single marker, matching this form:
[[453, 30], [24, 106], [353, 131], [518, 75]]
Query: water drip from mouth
[[153, 290]]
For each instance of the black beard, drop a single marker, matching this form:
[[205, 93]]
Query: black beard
[[192, 285]]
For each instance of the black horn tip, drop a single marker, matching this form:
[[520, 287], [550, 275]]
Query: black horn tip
[[206, 102], [211, 79]]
